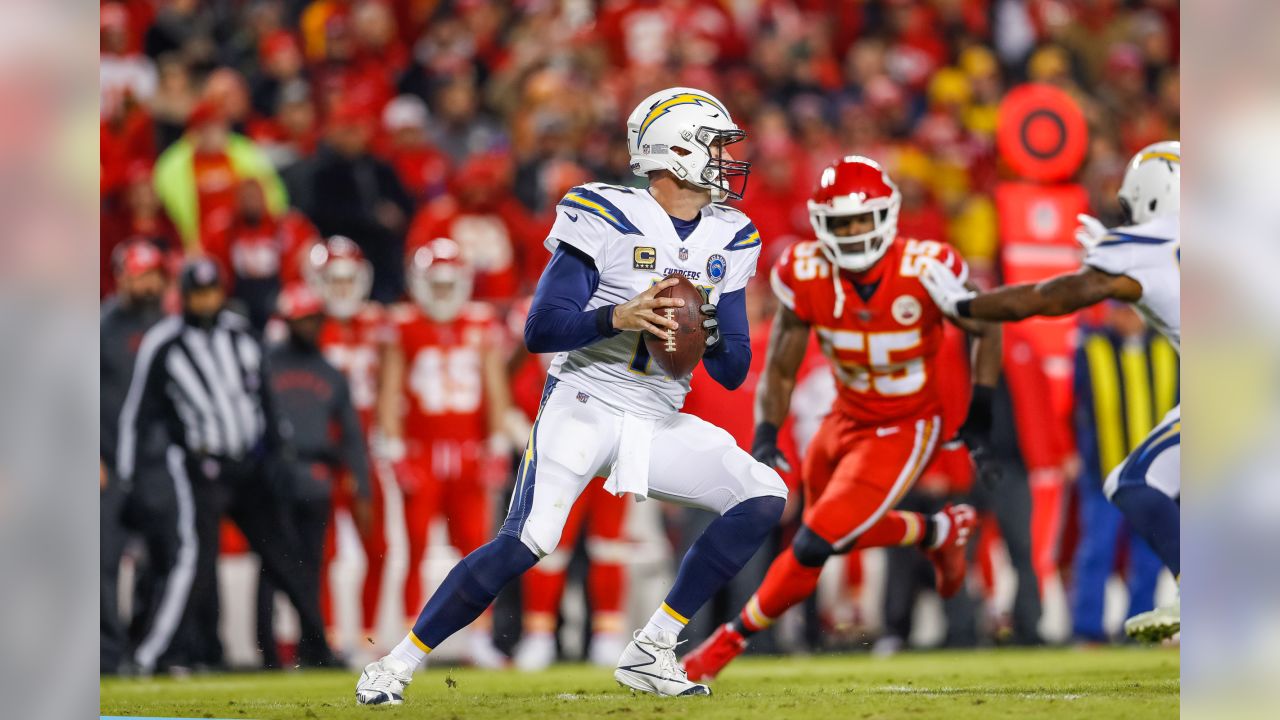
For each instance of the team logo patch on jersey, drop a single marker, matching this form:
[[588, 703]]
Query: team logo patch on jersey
[[583, 397], [906, 309], [716, 268], [644, 258], [684, 254]]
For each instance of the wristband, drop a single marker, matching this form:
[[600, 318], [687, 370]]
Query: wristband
[[604, 321], [962, 308]]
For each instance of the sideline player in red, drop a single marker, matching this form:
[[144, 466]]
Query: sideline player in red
[[858, 288], [352, 339], [442, 409]]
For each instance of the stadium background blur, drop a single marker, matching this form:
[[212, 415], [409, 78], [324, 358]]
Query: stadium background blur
[[486, 112]]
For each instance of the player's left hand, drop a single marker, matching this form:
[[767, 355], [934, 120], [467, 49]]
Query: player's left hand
[[711, 325], [944, 287]]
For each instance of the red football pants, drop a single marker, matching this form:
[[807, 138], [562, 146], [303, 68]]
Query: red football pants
[[374, 542], [463, 502], [853, 477], [603, 515]]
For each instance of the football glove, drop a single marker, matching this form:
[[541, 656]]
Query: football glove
[[764, 447], [976, 434], [1091, 231], [711, 325], [944, 287]]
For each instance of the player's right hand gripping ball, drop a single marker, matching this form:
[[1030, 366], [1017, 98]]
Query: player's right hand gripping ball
[[681, 351]]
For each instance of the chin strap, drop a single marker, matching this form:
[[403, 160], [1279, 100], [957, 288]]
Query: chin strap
[[835, 278]]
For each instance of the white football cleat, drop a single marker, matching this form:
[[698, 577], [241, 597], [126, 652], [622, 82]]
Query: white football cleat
[[537, 650], [383, 682], [483, 653], [1155, 625], [649, 665], [606, 648]]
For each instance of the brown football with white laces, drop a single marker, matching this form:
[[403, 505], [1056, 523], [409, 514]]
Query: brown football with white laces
[[681, 351]]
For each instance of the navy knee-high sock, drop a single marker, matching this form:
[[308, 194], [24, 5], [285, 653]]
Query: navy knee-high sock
[[724, 547], [1154, 516], [470, 587]]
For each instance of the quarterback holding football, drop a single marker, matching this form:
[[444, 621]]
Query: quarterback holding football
[[612, 409]]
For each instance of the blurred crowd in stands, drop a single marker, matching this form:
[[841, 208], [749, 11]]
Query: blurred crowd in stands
[[251, 130]]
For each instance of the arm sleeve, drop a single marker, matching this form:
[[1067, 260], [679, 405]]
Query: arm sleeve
[[729, 361], [352, 443], [557, 321]]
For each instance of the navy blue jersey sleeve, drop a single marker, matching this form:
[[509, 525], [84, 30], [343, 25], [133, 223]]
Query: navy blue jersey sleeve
[[557, 320], [729, 361]]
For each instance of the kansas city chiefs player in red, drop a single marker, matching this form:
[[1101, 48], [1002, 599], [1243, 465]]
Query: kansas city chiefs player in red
[[442, 410], [352, 339], [857, 288]]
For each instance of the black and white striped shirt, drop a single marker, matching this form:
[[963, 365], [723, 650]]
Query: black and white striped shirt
[[206, 383]]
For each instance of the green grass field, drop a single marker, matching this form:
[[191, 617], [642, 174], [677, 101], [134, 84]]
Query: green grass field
[[1130, 683]]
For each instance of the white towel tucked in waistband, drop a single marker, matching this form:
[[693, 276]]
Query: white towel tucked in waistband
[[630, 472]]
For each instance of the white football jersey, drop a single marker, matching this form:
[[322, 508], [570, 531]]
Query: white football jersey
[[1149, 253], [634, 245]]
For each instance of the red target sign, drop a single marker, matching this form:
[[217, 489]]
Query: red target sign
[[1041, 134]]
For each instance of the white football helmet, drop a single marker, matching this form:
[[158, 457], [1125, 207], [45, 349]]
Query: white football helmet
[[439, 279], [855, 185], [699, 124], [1150, 186], [340, 273]]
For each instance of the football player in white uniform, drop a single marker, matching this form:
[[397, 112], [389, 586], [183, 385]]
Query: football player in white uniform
[[1137, 263], [607, 409]]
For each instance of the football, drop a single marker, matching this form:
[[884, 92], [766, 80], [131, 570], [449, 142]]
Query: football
[[682, 349]]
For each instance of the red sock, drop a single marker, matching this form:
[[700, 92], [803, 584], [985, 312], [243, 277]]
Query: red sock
[[895, 528], [542, 590], [786, 584], [604, 587]]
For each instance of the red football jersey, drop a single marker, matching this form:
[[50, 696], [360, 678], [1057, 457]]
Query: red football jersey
[[354, 346], [443, 373], [883, 350]]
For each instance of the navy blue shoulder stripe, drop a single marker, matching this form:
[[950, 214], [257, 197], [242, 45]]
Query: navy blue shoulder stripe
[[1119, 238], [580, 198]]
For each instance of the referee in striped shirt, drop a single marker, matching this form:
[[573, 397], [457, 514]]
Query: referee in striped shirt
[[202, 373]]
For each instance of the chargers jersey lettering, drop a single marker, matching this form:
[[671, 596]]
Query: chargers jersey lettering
[[883, 350], [633, 244], [1149, 253]]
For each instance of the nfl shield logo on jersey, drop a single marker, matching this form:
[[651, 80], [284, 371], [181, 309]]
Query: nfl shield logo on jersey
[[716, 267], [684, 254]]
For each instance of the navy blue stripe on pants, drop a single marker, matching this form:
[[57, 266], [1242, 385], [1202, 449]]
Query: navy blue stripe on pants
[[522, 496]]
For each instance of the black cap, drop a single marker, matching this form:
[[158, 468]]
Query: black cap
[[199, 273]]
